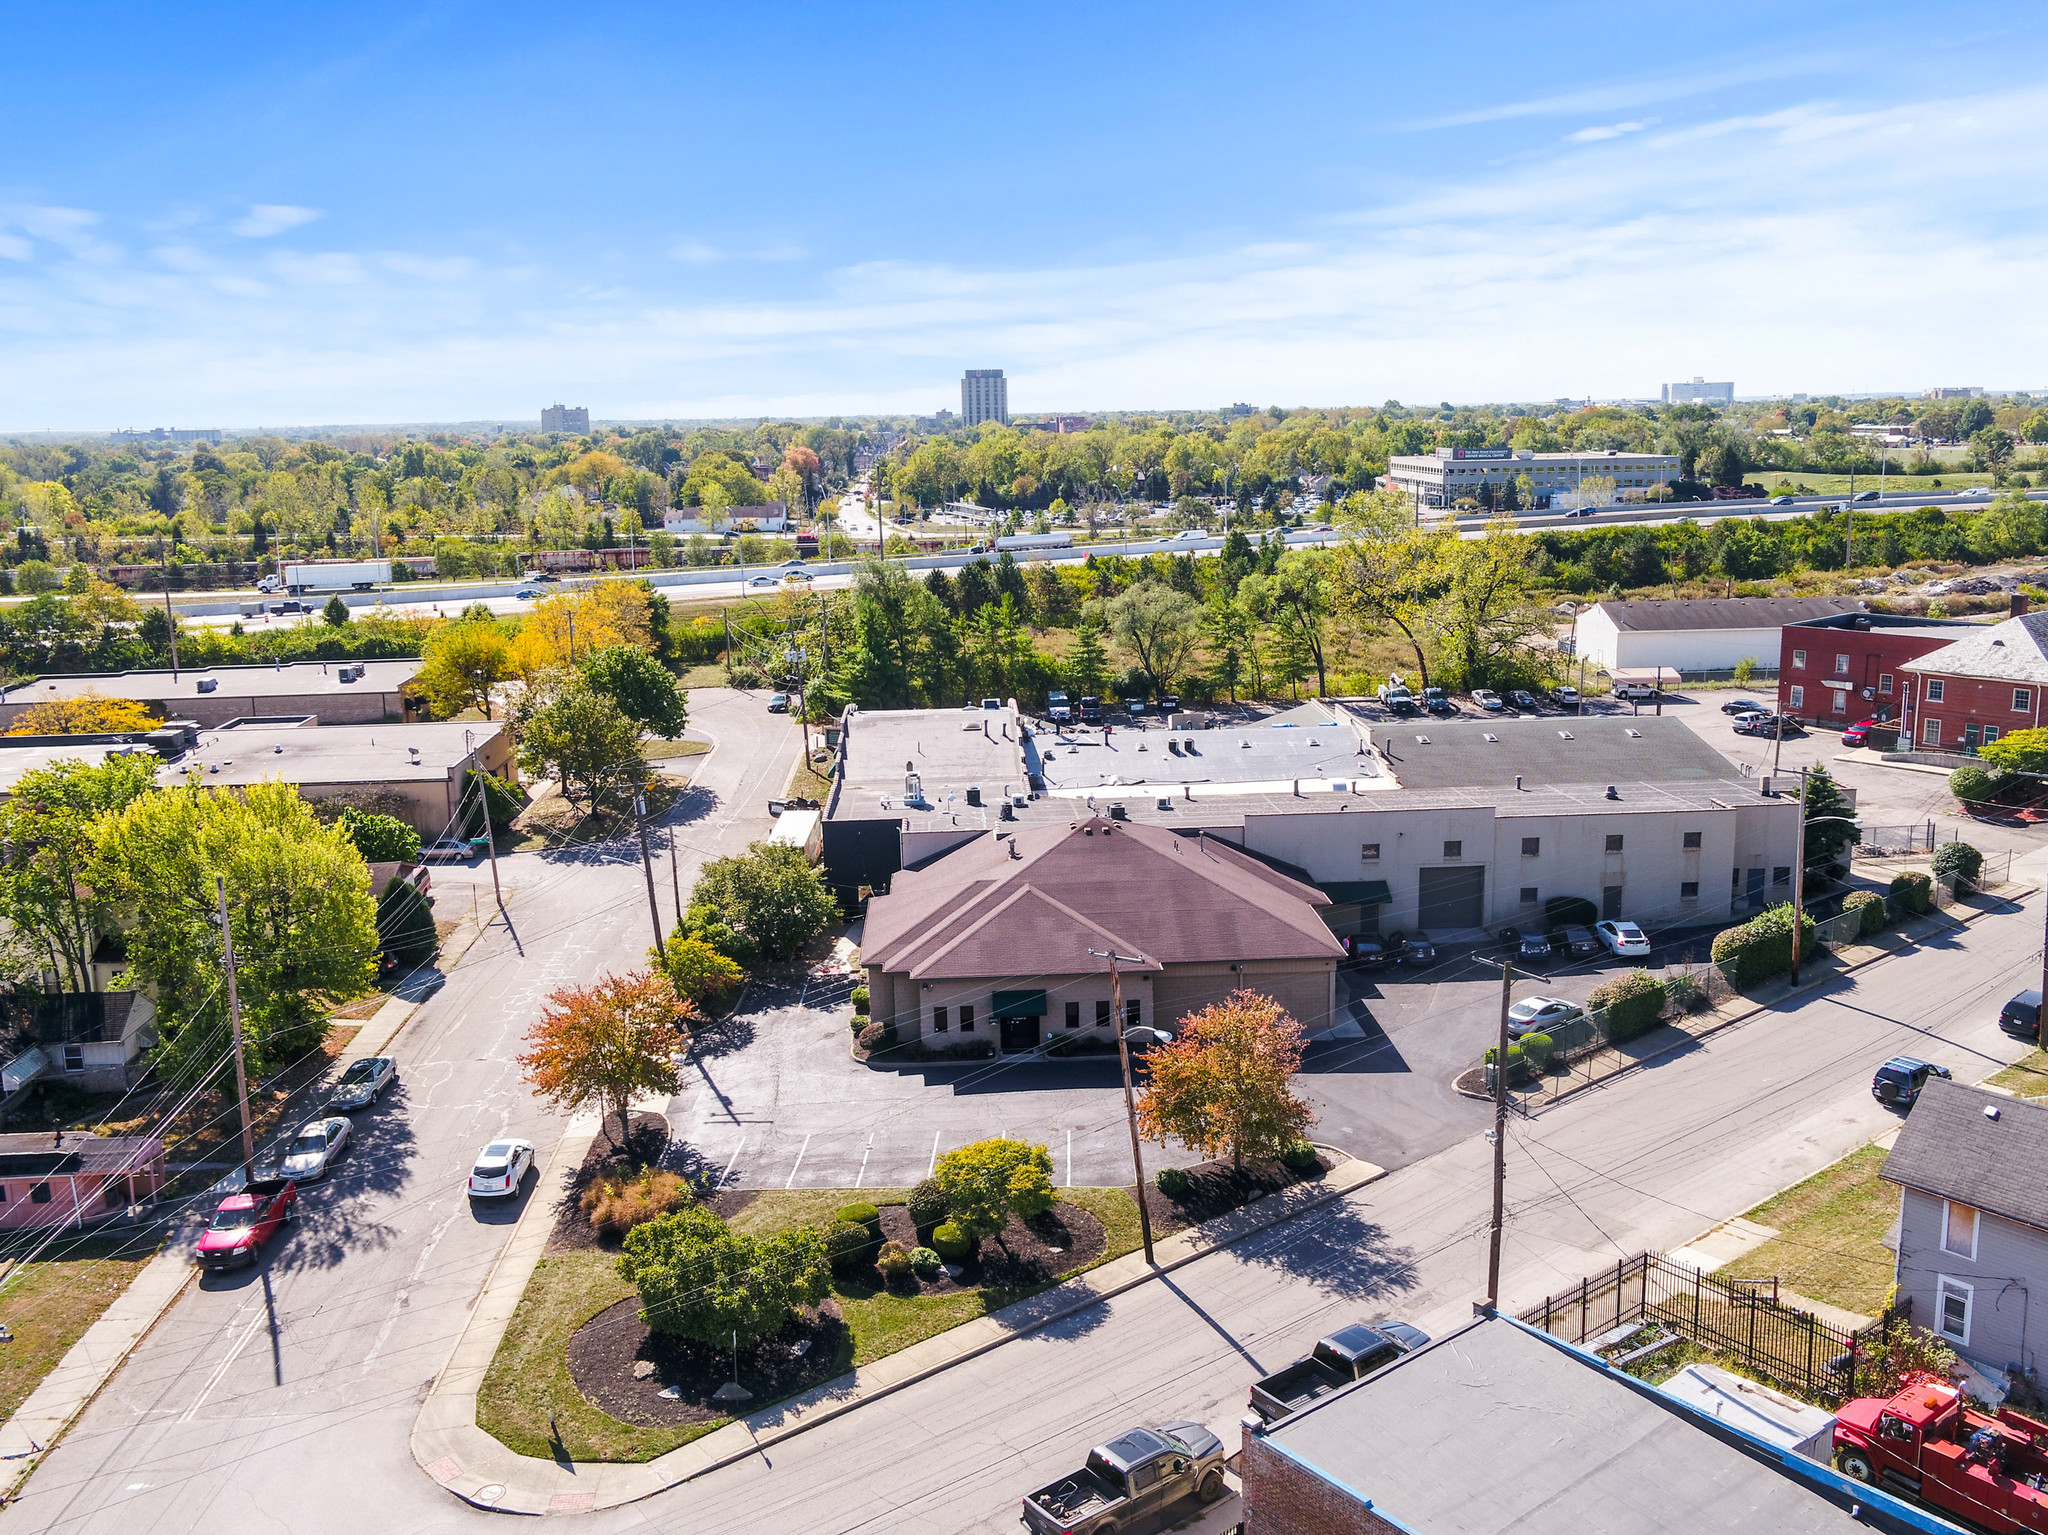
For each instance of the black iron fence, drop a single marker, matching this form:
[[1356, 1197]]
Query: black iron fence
[[1744, 1321]]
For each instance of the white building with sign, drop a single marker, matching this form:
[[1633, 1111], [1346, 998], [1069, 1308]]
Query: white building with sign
[[1478, 476]]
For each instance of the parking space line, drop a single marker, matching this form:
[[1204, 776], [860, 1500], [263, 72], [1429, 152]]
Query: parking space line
[[726, 1176], [932, 1166], [799, 1162], [870, 1146]]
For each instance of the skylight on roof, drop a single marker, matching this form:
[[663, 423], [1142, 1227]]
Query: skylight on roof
[[1564, 735]]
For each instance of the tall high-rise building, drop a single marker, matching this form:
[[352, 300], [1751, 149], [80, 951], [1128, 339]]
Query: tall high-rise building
[[984, 396], [565, 418], [1697, 391]]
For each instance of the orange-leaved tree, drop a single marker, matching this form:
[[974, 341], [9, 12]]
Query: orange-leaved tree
[[1225, 1084], [605, 1042]]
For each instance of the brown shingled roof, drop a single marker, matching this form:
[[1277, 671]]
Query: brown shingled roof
[[1091, 884]]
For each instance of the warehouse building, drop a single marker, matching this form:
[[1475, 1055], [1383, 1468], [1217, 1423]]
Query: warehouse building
[[1449, 477], [1711, 634], [332, 692]]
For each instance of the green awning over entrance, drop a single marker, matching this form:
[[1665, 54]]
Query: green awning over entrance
[[1020, 1004], [1359, 892]]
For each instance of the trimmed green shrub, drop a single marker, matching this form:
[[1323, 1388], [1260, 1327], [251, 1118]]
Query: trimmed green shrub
[[380, 837], [1871, 905], [1684, 994], [1569, 911], [1517, 1067], [859, 1022], [927, 1205], [846, 1245], [860, 999], [924, 1262], [1972, 785], [1629, 1005], [1913, 890], [862, 1215], [1958, 861], [1300, 1154], [1762, 947], [1537, 1050], [1173, 1181], [893, 1260], [951, 1243]]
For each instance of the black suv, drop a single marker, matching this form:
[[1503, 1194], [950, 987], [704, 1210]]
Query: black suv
[[1899, 1080], [2022, 1015]]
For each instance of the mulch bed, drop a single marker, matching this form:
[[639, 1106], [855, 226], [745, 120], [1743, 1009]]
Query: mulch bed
[[1217, 1188], [605, 1350], [1032, 1252], [646, 1141]]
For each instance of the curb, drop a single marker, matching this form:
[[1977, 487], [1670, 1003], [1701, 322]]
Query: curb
[[1197, 1242], [1735, 1018]]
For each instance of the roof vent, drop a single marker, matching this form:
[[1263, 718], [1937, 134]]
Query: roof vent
[[1564, 735], [1422, 740], [1164, 802], [1630, 730], [278, 750], [1611, 792], [1991, 1111], [1491, 736], [1999, 643]]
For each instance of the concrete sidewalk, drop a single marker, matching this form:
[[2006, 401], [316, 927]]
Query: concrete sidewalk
[[104, 1347], [477, 1468]]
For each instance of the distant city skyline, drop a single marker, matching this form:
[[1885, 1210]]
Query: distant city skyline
[[308, 216]]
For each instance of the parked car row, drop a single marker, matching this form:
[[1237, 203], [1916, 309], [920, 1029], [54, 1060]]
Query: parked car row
[[1374, 951]]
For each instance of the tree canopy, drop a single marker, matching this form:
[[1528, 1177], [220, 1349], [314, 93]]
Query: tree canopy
[[700, 1279], [988, 1181], [765, 903], [1225, 1084], [607, 1041]]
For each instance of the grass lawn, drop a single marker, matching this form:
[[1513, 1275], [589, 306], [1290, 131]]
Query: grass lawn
[[2027, 1076], [1830, 1242], [529, 1377], [806, 782], [49, 1304]]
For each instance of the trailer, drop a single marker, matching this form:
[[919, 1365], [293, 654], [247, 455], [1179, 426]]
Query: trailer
[[304, 576], [1019, 542]]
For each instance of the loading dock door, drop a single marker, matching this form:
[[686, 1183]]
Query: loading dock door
[[1452, 898]]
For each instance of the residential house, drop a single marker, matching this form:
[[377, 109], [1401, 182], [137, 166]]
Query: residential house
[[1006, 936], [1712, 634], [69, 1179], [1973, 1220], [1985, 685]]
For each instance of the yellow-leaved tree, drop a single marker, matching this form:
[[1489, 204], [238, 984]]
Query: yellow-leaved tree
[[89, 713]]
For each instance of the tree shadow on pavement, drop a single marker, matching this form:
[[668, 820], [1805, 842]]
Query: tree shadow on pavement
[[1336, 1249], [327, 1225]]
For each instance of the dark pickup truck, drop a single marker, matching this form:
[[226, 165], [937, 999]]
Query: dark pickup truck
[[1338, 1360], [1133, 1476]]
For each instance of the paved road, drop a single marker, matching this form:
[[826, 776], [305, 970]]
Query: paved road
[[1651, 1160], [280, 1398]]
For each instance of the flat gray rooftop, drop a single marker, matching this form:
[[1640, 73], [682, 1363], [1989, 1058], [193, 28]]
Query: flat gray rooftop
[[1254, 754], [1568, 1449], [329, 754], [300, 678], [1560, 749], [948, 749]]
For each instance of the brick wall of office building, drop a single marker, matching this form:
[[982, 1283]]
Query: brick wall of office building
[[1836, 676], [1284, 1497], [1959, 713]]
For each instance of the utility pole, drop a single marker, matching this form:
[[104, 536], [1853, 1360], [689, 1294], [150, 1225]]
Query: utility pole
[[572, 639], [170, 617], [490, 831], [1799, 875], [1123, 1051], [647, 864], [1500, 1140], [227, 941], [675, 873]]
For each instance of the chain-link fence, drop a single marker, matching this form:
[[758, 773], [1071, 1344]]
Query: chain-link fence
[[1580, 1043]]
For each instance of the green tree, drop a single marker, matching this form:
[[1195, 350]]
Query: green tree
[[700, 1279], [405, 924], [1991, 449], [988, 1181], [1087, 663], [764, 903], [1302, 599], [298, 898], [583, 740], [642, 687], [2023, 751], [1830, 823], [380, 838], [46, 842], [1225, 1083], [700, 974], [335, 613], [1160, 627], [463, 664]]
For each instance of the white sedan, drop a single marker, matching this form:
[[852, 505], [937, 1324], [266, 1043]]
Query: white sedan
[[1533, 1014], [1623, 938], [314, 1149], [499, 1168]]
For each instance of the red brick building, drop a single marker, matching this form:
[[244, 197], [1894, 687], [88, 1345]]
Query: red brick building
[[1845, 667], [1985, 685]]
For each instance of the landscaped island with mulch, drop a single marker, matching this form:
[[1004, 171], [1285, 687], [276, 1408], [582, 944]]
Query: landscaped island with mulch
[[578, 1354]]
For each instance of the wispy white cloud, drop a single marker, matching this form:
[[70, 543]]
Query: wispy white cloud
[[1642, 90], [264, 220], [1607, 131]]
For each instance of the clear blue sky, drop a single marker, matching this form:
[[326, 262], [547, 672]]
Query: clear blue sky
[[288, 215]]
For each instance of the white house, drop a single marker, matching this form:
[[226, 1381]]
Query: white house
[[771, 517], [1706, 635]]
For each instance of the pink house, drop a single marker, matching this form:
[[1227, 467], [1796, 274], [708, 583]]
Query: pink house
[[64, 1179]]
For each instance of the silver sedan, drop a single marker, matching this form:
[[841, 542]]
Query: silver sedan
[[314, 1150]]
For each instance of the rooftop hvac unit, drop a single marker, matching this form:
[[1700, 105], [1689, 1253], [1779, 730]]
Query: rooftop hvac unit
[[208, 684]]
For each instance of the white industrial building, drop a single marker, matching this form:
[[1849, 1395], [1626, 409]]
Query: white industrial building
[[1707, 635], [1449, 476], [1697, 391]]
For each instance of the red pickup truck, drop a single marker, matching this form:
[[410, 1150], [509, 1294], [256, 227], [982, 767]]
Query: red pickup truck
[[245, 1221], [1988, 1471]]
